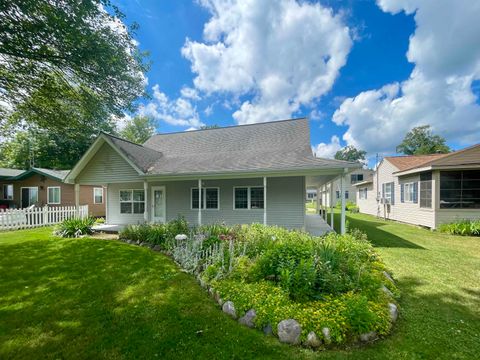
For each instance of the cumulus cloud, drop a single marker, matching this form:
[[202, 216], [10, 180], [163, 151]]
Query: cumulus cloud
[[324, 150], [178, 112], [281, 53], [446, 53]]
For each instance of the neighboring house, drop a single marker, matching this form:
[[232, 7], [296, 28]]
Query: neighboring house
[[41, 187], [353, 177], [254, 173], [311, 195], [425, 190]]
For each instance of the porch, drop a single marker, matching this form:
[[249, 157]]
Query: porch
[[316, 226]]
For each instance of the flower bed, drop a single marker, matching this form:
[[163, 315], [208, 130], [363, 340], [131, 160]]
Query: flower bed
[[311, 290], [462, 227]]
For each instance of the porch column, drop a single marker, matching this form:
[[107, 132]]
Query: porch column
[[342, 196], [199, 202], [264, 200], [76, 188], [145, 211], [331, 205]]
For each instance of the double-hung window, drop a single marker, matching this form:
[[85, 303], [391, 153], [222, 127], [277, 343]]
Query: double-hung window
[[8, 192], [132, 201], [426, 190], [388, 193], [98, 195], [409, 192], [354, 178], [248, 197], [53, 195], [209, 200]]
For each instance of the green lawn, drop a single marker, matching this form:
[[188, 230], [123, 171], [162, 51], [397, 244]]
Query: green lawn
[[104, 299]]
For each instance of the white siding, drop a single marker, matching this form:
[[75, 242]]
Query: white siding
[[368, 205], [351, 188], [285, 202]]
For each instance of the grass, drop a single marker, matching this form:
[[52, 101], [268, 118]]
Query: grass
[[86, 298], [310, 207]]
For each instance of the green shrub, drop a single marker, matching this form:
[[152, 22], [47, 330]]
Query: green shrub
[[75, 227], [462, 227]]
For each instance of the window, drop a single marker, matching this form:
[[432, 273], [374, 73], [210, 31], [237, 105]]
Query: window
[[426, 190], [388, 192], [98, 195], [362, 194], [53, 195], [337, 194], [346, 194], [248, 197], [409, 192], [460, 189], [132, 201], [209, 198], [354, 178], [8, 192]]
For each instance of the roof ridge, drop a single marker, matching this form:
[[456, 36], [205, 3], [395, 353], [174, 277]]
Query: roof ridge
[[119, 138], [229, 127]]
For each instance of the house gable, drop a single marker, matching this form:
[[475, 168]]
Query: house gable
[[107, 166], [468, 156]]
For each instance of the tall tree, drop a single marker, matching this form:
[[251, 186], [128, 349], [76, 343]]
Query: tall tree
[[71, 52], [39, 147], [350, 153], [421, 141], [139, 129]]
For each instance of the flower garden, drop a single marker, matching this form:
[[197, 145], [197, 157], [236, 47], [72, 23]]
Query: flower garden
[[315, 291]]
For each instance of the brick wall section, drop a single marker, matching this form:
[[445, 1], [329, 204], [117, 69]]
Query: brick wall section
[[67, 193]]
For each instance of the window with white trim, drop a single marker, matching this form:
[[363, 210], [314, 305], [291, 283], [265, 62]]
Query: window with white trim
[[408, 192], [53, 195], [8, 192], [248, 197], [132, 201], [210, 199], [98, 195]]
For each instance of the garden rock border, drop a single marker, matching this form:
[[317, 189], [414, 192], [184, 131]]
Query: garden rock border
[[288, 330]]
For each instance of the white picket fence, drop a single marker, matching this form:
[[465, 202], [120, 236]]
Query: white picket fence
[[13, 219]]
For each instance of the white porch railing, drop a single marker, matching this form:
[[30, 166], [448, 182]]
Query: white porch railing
[[13, 219]]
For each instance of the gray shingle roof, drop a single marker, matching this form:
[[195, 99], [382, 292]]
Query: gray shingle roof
[[58, 174], [273, 146], [143, 157], [5, 172]]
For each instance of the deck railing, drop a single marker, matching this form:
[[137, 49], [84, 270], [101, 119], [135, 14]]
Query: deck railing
[[13, 219]]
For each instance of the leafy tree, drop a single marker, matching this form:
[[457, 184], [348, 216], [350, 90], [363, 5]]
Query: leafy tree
[[206, 127], [139, 129], [63, 61], [49, 149], [421, 141], [350, 153]]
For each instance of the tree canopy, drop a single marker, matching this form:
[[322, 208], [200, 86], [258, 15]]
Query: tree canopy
[[421, 141], [350, 153], [139, 129], [65, 62]]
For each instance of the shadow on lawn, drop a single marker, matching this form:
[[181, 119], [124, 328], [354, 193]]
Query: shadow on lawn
[[378, 236], [101, 299]]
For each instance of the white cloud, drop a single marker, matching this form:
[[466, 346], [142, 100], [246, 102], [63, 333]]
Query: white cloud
[[324, 150], [446, 53], [178, 112], [284, 53], [190, 93], [121, 122]]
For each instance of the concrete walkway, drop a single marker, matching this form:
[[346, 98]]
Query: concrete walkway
[[109, 229], [315, 225]]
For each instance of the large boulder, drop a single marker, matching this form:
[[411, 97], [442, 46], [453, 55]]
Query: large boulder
[[248, 319], [229, 308], [393, 312], [387, 291], [289, 331], [312, 340]]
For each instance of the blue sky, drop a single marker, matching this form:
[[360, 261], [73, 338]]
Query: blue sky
[[357, 68]]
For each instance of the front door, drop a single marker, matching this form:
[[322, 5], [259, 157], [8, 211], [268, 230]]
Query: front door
[[158, 204]]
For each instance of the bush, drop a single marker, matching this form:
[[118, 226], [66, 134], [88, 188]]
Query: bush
[[156, 234], [462, 227], [75, 227]]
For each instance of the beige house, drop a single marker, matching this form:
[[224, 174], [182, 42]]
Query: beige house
[[425, 190]]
